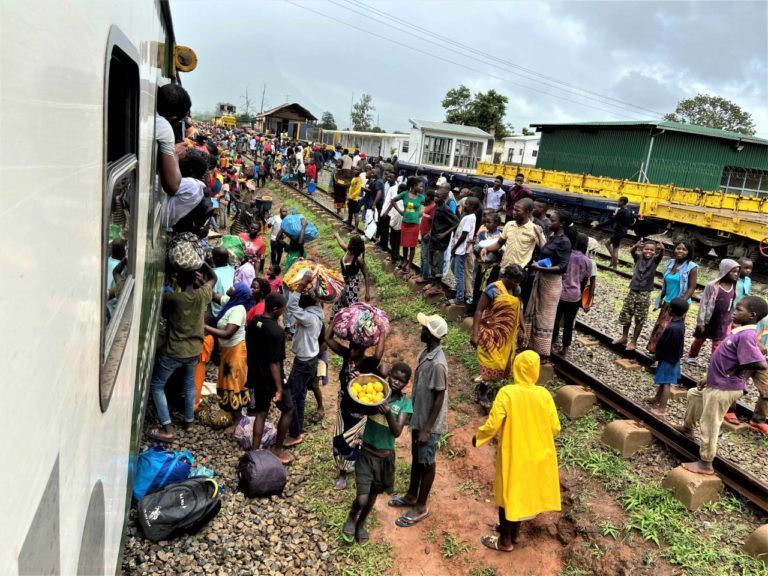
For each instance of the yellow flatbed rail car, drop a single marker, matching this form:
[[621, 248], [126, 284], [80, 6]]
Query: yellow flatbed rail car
[[722, 212]]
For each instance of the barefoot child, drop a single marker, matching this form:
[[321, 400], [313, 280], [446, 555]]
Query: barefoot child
[[638, 298], [726, 381], [715, 309], [375, 466], [669, 351]]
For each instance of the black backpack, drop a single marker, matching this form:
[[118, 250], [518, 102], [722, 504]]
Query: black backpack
[[260, 473], [181, 507]]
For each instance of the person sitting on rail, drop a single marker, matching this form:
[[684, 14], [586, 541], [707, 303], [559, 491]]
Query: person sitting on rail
[[375, 466], [669, 351], [725, 382], [638, 299], [744, 283], [173, 105], [680, 276], [715, 309], [621, 220], [575, 280], [184, 312]]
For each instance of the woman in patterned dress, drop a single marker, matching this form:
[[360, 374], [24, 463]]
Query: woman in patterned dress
[[352, 264]]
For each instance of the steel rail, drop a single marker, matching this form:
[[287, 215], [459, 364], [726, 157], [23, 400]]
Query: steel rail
[[737, 479]]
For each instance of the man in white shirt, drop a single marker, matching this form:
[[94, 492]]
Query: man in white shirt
[[495, 195], [356, 160], [346, 160], [390, 191], [462, 243], [173, 105], [276, 248], [252, 146], [395, 218]]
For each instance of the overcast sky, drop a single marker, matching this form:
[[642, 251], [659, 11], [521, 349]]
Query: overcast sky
[[636, 59]]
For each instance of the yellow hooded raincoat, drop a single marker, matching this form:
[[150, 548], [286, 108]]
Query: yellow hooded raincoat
[[527, 480]]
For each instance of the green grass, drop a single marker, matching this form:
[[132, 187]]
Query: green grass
[[462, 419], [470, 488], [453, 546], [456, 344], [483, 571]]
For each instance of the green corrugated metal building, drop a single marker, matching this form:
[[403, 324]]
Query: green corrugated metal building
[[685, 155]]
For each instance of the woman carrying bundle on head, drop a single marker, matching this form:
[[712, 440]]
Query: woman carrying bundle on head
[[352, 264]]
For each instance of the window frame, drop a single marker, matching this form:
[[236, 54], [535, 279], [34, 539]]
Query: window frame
[[121, 56]]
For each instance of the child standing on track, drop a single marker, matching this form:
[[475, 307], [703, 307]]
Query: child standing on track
[[715, 309], [669, 351], [726, 381], [638, 298], [375, 466]]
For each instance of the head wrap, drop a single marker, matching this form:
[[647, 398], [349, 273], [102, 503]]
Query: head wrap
[[241, 296]]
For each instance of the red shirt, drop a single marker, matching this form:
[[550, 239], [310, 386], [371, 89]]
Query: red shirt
[[426, 219], [311, 171], [257, 310]]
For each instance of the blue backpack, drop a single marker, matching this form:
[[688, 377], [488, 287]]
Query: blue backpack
[[158, 467]]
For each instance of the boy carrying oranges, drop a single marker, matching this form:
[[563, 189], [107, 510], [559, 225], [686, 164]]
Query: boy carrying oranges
[[375, 467]]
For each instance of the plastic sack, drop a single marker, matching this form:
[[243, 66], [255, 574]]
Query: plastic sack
[[234, 245], [157, 467], [291, 226], [244, 433], [371, 223], [327, 284], [185, 251], [356, 323]]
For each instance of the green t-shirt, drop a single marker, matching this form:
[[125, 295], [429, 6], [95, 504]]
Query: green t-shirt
[[412, 207], [377, 433], [184, 313]]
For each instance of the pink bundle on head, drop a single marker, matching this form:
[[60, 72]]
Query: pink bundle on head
[[356, 323]]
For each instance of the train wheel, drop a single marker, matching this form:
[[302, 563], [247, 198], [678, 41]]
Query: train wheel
[[764, 247], [721, 251]]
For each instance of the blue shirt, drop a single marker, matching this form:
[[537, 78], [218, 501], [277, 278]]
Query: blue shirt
[[743, 288]]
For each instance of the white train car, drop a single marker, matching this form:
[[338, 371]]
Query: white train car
[[77, 106]]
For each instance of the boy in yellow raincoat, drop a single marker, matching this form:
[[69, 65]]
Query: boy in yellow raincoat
[[527, 480]]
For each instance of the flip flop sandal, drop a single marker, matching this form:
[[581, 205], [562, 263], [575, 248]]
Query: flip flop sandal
[[362, 536], [399, 502], [341, 484], [348, 532], [406, 521], [732, 418], [492, 542], [158, 436]]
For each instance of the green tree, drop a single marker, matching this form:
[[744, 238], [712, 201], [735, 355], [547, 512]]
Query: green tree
[[456, 104], [328, 122], [244, 118], [713, 112], [485, 110], [528, 132], [362, 113], [377, 130]]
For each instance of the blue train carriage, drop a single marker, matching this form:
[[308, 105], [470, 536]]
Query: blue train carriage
[[79, 340]]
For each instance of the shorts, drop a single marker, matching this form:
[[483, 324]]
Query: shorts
[[262, 399], [436, 260], [353, 206], [374, 474], [636, 305], [618, 236], [322, 369], [423, 453], [667, 373]]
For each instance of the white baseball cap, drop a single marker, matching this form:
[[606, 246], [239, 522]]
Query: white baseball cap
[[435, 323]]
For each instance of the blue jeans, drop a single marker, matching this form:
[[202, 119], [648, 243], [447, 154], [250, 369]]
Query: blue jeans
[[299, 381], [165, 366], [459, 261], [425, 263]]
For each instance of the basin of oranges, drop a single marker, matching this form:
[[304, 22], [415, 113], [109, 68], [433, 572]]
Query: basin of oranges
[[368, 390]]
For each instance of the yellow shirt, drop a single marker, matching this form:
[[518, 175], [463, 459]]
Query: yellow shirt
[[520, 242], [525, 418], [355, 187]]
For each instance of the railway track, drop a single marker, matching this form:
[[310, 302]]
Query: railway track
[[740, 481]]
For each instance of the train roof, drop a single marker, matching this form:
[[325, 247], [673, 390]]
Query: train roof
[[662, 125]]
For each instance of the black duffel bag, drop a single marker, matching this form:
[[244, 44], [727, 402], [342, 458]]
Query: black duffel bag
[[260, 473], [181, 507]]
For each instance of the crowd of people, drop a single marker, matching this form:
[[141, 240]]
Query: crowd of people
[[522, 271]]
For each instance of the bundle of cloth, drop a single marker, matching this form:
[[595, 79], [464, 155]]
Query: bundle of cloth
[[327, 284], [357, 323]]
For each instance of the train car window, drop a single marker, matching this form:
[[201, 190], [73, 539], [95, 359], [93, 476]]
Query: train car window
[[120, 204], [405, 147]]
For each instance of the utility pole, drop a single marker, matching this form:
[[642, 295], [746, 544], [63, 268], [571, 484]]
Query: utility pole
[[351, 104], [263, 91]]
